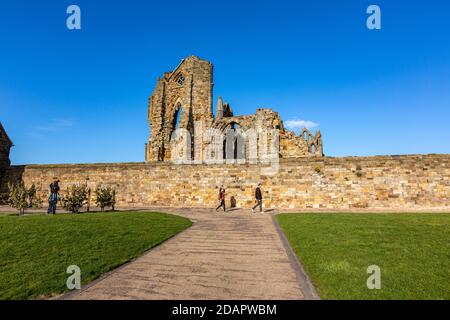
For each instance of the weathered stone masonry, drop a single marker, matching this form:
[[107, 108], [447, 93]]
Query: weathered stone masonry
[[5, 147], [394, 182], [182, 99]]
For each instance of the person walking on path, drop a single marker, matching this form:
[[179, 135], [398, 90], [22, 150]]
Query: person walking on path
[[221, 198], [258, 196], [53, 199]]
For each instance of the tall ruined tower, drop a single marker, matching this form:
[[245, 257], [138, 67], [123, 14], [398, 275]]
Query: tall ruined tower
[[181, 99]]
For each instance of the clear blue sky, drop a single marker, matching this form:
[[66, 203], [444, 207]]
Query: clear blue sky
[[81, 96]]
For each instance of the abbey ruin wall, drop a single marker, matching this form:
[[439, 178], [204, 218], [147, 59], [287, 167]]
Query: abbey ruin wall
[[181, 103], [382, 182]]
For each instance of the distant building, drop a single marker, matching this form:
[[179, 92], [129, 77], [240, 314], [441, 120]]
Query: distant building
[[5, 147]]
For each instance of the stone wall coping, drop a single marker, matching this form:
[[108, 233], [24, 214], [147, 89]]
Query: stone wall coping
[[302, 161]]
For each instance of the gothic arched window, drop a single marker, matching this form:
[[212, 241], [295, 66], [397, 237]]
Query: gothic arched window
[[180, 79], [177, 117], [233, 145]]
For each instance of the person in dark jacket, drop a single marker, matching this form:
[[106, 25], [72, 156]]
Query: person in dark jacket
[[53, 199], [221, 198], [258, 197]]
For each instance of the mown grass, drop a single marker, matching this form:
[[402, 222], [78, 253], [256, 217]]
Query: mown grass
[[35, 251], [411, 249]]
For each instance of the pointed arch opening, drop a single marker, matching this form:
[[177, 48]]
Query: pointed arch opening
[[234, 142], [177, 116]]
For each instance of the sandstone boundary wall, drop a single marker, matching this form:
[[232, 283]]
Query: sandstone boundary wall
[[380, 182]]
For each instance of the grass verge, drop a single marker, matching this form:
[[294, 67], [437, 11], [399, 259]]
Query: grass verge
[[411, 249], [35, 251]]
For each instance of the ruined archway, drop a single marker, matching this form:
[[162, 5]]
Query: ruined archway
[[234, 142], [176, 116]]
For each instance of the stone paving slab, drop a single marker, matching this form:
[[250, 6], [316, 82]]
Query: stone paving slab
[[234, 255]]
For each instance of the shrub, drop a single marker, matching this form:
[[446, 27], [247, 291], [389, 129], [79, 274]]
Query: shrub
[[75, 198], [4, 198], [317, 169], [32, 191], [34, 200], [21, 198], [18, 195], [359, 174], [105, 197]]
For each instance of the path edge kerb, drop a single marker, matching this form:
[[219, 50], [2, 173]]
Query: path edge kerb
[[307, 287], [69, 294]]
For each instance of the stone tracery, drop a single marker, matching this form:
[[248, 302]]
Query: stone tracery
[[188, 90]]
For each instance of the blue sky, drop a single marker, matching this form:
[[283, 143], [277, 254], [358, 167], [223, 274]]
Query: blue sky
[[81, 96]]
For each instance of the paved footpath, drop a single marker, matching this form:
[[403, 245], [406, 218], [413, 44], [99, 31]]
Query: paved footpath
[[234, 255]]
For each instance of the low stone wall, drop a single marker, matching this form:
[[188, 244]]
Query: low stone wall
[[391, 182]]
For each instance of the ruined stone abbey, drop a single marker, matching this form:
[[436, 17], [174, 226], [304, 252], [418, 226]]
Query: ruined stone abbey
[[304, 177], [183, 99]]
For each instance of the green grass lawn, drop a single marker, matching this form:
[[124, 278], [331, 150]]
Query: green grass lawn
[[411, 249], [35, 251]]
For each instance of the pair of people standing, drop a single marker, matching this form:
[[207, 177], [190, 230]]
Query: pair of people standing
[[258, 197], [53, 199]]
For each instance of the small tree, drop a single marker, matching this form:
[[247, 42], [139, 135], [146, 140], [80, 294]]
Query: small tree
[[34, 197], [4, 198], [75, 198], [21, 198], [18, 195], [105, 197], [31, 195]]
